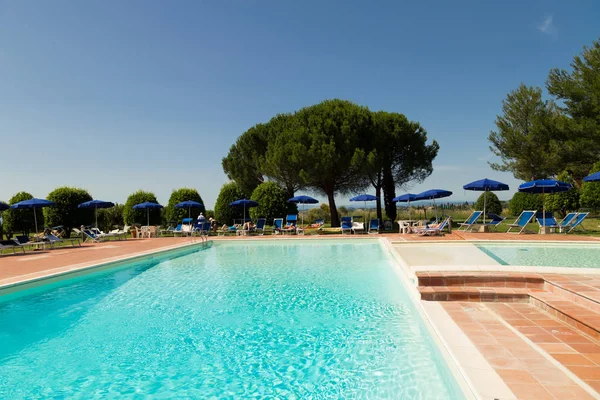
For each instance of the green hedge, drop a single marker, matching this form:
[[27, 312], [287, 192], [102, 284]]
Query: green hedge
[[224, 213], [131, 216], [492, 203], [179, 195], [272, 202], [65, 212], [21, 221]]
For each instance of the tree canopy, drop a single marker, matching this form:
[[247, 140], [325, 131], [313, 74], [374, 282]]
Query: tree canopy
[[565, 202], [131, 216], [590, 191], [179, 195], [272, 202], [539, 138], [492, 203], [66, 212], [22, 220], [332, 148], [224, 213]]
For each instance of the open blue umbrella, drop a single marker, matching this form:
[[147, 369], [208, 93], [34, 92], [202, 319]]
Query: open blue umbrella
[[147, 206], [96, 204], [303, 200], [365, 198], [189, 204], [485, 185], [433, 194], [244, 203], [33, 203], [544, 186], [405, 198], [595, 177]]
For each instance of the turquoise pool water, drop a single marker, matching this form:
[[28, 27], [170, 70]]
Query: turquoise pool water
[[279, 319], [544, 254]]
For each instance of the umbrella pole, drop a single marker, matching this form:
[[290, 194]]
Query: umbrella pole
[[409, 210], [435, 208], [484, 204], [96, 214], [543, 211], [35, 219]]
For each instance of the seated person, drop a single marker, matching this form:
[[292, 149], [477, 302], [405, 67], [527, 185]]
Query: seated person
[[248, 226]]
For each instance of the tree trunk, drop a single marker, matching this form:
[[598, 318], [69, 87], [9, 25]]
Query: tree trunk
[[389, 192], [335, 219], [378, 194]]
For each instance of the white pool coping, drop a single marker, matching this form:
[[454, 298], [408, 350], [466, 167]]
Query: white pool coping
[[475, 376]]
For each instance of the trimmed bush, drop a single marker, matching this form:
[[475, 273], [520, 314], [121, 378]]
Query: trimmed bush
[[272, 202], [21, 221], [492, 204], [525, 201], [131, 216], [65, 212], [590, 191], [111, 218], [179, 195], [224, 213], [563, 203]]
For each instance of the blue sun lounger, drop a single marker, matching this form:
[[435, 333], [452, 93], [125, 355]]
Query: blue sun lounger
[[494, 220], [470, 222], [374, 226], [53, 239], [521, 222], [11, 244], [546, 220], [277, 225], [260, 226], [346, 225], [436, 230], [578, 221], [567, 221], [290, 224]]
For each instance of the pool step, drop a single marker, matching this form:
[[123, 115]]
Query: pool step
[[578, 316], [485, 279], [476, 294]]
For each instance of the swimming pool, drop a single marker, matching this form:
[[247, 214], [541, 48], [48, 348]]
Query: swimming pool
[[286, 319], [544, 254]]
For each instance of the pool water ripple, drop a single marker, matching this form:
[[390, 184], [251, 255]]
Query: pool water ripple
[[234, 321]]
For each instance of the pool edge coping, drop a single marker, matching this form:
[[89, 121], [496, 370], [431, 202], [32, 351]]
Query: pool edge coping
[[470, 386]]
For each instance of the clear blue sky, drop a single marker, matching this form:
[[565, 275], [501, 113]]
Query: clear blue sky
[[115, 96]]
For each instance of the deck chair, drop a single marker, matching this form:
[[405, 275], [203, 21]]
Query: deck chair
[[521, 222], [178, 229], [494, 220], [11, 244], [567, 221], [374, 226], [577, 222], [290, 224], [53, 239], [358, 225], [121, 233], [89, 235], [277, 225], [470, 222], [433, 230], [346, 225], [260, 226], [24, 240], [546, 220]]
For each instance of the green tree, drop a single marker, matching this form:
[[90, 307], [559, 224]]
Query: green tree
[[209, 214], [579, 92], [525, 201], [525, 137], [397, 154], [565, 202], [111, 218], [66, 212], [179, 195], [590, 191], [243, 163], [272, 202], [321, 212], [2, 220], [492, 203], [330, 135], [224, 213], [131, 216], [21, 221]]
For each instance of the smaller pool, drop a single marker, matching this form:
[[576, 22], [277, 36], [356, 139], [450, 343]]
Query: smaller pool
[[544, 254]]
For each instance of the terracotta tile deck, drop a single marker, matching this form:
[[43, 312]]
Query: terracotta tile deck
[[525, 370]]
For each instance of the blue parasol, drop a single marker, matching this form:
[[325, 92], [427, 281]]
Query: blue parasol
[[595, 177], [405, 198], [433, 194], [485, 185], [147, 206], [244, 203], [96, 204], [544, 186], [303, 200], [33, 203], [189, 204], [365, 198]]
